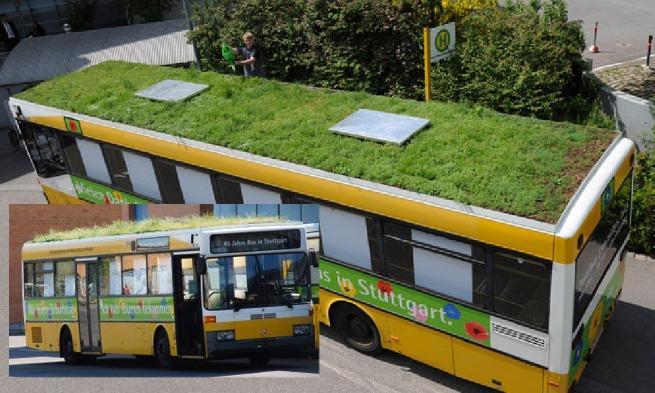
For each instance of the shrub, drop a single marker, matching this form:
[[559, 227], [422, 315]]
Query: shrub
[[642, 237], [145, 10], [345, 44], [81, 13], [524, 59]]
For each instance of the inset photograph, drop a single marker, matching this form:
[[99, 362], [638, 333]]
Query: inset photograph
[[170, 290]]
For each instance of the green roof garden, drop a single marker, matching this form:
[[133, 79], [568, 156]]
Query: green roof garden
[[516, 165], [151, 225]]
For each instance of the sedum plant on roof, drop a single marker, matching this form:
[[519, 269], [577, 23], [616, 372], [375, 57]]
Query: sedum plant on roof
[[471, 155], [151, 225]]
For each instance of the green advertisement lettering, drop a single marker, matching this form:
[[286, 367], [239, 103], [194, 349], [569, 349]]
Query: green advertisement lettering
[[151, 308], [52, 309], [405, 302], [99, 194]]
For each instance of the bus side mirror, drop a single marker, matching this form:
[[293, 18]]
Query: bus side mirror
[[313, 258], [201, 266]]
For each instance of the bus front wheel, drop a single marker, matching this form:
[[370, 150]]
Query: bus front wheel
[[163, 351], [66, 348], [358, 330]]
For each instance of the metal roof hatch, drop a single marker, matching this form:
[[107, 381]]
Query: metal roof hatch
[[171, 90], [380, 126]]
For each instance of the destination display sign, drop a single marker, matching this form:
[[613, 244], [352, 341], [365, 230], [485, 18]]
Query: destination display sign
[[229, 243], [152, 243]]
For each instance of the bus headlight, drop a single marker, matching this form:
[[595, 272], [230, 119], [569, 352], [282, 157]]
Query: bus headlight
[[301, 330], [225, 335]]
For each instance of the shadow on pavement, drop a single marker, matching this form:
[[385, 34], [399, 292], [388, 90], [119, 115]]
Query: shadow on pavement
[[24, 353], [14, 162], [425, 371], [127, 366], [624, 358]]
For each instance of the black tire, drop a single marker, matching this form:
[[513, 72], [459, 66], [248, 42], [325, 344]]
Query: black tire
[[259, 360], [358, 330], [66, 350], [143, 358], [163, 351]]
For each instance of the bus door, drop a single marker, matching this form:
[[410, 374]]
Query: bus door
[[87, 305], [188, 311]]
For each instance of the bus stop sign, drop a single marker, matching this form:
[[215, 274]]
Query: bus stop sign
[[442, 42]]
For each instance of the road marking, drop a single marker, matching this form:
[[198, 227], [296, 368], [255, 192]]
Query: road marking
[[617, 64]]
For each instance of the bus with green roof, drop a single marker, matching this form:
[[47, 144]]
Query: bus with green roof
[[486, 245], [171, 289]]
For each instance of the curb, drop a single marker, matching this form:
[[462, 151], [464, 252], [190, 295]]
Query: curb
[[641, 257]]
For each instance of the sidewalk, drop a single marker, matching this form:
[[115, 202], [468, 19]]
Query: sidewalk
[[634, 79]]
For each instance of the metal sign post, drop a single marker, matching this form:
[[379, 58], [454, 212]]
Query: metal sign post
[[438, 44], [427, 60]]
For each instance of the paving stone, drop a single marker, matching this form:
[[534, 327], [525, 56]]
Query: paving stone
[[634, 79]]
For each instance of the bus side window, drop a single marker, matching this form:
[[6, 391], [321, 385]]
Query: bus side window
[[169, 184], [398, 253], [134, 275], [65, 279], [109, 276], [521, 289], [28, 275], [117, 168], [340, 230], [72, 154], [93, 160]]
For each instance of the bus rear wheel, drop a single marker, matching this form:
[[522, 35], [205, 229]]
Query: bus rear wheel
[[163, 351], [358, 330], [66, 348]]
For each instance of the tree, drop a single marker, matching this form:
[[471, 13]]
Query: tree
[[81, 13], [145, 10]]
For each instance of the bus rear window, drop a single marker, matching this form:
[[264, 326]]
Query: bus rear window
[[601, 248]]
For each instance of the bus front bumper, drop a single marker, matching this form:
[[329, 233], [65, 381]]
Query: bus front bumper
[[290, 346]]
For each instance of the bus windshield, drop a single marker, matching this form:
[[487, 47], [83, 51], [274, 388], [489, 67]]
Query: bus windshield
[[261, 280]]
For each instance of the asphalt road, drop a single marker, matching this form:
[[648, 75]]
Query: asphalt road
[[26, 362], [623, 27]]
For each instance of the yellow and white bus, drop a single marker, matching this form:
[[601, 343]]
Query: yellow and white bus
[[228, 290], [511, 291]]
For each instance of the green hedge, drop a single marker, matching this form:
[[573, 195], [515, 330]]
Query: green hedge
[[642, 237], [522, 59], [364, 45]]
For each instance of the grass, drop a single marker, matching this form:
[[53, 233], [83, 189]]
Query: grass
[[150, 225], [520, 166]]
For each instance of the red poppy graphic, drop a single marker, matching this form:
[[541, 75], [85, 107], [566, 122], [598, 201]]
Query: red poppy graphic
[[107, 200], [72, 125], [111, 313], [476, 331], [385, 286]]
